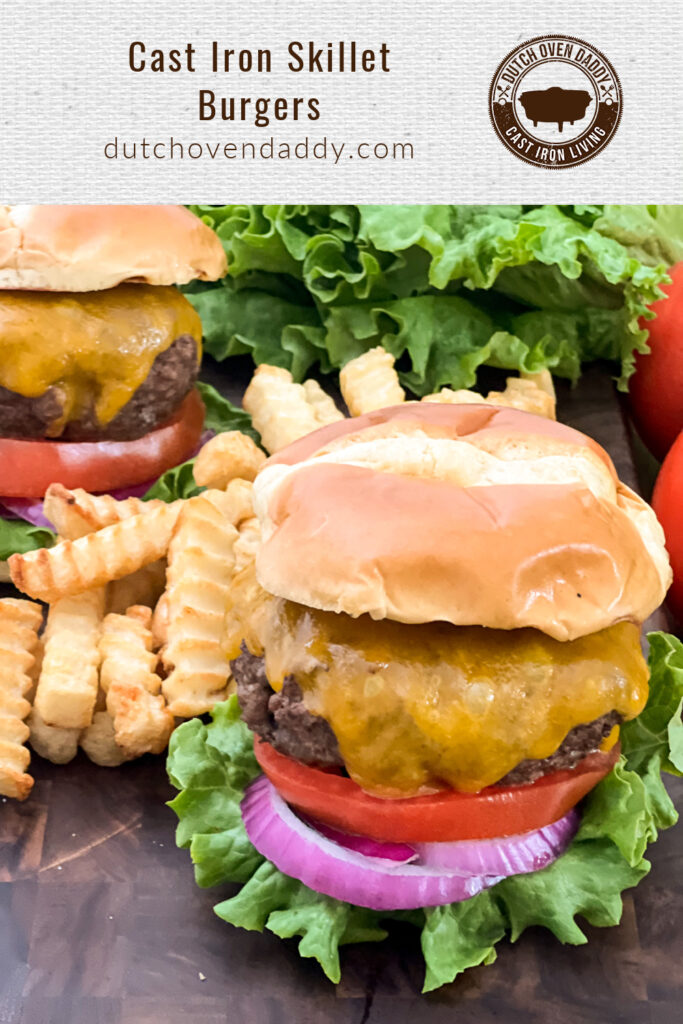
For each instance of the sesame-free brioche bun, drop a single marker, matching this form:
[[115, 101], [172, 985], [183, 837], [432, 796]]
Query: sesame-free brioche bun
[[468, 514], [89, 248]]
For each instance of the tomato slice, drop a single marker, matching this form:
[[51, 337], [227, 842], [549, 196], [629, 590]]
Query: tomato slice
[[27, 468], [494, 812], [667, 501]]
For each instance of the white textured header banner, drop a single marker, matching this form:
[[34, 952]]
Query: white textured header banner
[[473, 101]]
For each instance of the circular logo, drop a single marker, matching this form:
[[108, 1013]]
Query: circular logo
[[555, 101]]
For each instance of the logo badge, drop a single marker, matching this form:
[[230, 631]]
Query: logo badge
[[555, 101]]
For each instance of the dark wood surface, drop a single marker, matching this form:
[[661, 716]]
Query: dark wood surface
[[101, 922]]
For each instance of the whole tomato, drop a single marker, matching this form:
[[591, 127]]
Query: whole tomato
[[656, 387], [667, 502]]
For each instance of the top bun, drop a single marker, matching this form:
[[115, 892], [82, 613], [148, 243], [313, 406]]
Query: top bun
[[468, 514], [89, 248]]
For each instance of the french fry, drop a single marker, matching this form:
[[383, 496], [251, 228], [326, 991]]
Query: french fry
[[126, 653], [543, 379], [247, 542], [235, 502], [370, 382], [283, 411], [143, 587], [99, 743], [35, 671], [160, 622], [19, 625], [200, 564], [460, 397], [321, 403], [522, 393], [68, 683], [142, 722], [70, 567], [54, 744], [227, 457], [76, 513], [530, 393]]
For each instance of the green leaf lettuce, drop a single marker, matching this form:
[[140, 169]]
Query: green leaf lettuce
[[543, 286], [16, 535]]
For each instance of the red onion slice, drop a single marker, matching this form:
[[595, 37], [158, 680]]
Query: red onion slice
[[29, 509], [513, 855], [364, 844], [301, 852]]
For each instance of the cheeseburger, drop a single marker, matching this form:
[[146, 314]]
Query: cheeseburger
[[436, 647], [99, 351]]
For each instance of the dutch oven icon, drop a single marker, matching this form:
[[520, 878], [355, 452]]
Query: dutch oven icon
[[555, 104]]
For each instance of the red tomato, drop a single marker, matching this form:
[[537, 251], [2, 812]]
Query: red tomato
[[27, 468], [443, 817], [656, 388], [667, 502]]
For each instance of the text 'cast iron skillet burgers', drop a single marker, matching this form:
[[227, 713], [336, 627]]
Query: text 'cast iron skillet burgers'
[[439, 640], [99, 351]]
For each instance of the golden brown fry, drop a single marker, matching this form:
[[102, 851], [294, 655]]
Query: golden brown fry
[[54, 744], [142, 722], [76, 513], [71, 567], [529, 393], [235, 503], [524, 394], [370, 382], [125, 647], [99, 743], [35, 671], [227, 457], [68, 684], [247, 542], [200, 564], [143, 587], [19, 625], [283, 411], [160, 622], [322, 403], [543, 380], [461, 397]]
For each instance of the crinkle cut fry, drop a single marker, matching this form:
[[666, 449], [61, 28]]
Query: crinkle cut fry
[[68, 683], [70, 567], [99, 743], [76, 512], [54, 744], [200, 566], [247, 542], [283, 411], [235, 502], [532, 392], [19, 624], [370, 382], [142, 722]]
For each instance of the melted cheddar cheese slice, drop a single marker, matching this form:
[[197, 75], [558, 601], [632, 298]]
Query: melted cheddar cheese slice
[[96, 347], [416, 708]]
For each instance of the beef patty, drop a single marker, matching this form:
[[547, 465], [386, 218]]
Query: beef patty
[[171, 377], [282, 718], [283, 721]]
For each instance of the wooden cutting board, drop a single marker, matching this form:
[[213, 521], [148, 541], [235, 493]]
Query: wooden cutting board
[[101, 922]]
